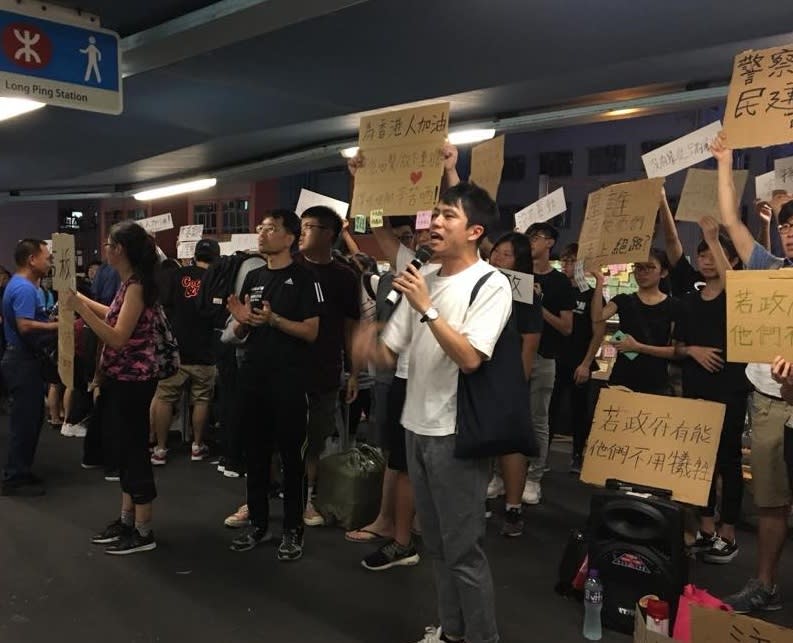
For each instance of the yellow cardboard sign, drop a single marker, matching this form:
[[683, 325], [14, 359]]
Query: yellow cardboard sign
[[759, 315], [759, 109], [700, 195], [718, 626], [487, 164], [654, 440], [66, 347], [619, 222], [402, 160]]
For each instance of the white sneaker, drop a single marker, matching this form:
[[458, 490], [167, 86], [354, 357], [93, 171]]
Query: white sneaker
[[496, 487], [311, 517], [532, 493], [79, 430], [159, 457], [431, 635], [67, 430]]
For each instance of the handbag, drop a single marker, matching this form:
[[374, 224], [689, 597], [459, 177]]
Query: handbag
[[693, 595], [166, 348], [493, 415]]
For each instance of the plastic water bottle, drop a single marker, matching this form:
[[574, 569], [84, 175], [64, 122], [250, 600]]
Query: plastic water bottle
[[593, 603]]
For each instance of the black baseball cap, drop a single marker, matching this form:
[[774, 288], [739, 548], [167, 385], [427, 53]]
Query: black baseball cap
[[543, 228], [207, 250], [786, 212]]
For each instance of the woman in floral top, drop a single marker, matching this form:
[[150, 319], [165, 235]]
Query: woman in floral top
[[128, 376]]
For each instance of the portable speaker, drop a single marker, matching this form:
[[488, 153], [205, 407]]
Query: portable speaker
[[636, 543]]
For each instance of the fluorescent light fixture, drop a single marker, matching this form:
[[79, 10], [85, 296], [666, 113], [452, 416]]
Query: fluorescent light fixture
[[468, 136], [623, 112], [176, 188], [11, 107], [349, 152]]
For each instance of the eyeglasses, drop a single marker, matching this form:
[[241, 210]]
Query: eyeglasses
[[785, 228], [267, 229], [309, 226], [536, 237]]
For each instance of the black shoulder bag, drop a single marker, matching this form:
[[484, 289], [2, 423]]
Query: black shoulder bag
[[493, 414]]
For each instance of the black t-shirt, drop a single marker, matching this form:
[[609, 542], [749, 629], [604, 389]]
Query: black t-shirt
[[684, 278], [650, 325], [575, 347], [339, 300], [293, 294], [528, 317], [179, 297], [704, 323], [557, 295]]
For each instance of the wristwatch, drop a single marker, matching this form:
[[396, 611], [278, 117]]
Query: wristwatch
[[431, 314]]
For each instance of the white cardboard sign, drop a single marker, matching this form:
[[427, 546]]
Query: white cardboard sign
[[764, 185], [191, 232], [783, 173], [522, 285], [244, 242], [678, 155], [186, 249], [309, 199], [545, 208], [156, 224]]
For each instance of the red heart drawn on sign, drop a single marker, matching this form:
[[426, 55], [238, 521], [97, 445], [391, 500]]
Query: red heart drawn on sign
[[415, 177]]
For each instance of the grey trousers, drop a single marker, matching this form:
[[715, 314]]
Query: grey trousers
[[543, 376], [450, 502]]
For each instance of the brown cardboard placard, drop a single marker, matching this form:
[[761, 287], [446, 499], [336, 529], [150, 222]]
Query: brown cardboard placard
[[402, 160], [66, 347], [654, 440], [759, 315], [487, 164], [642, 635], [718, 626], [759, 109], [64, 273], [619, 222], [700, 195]]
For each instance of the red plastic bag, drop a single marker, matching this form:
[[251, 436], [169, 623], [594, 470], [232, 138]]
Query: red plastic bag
[[693, 595]]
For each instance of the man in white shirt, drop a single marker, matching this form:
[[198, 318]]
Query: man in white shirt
[[442, 334]]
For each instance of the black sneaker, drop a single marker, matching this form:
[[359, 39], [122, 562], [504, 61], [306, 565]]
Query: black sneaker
[[721, 552], [114, 532], [291, 547], [22, 489], [112, 475], [513, 524], [132, 543], [392, 554], [703, 543], [575, 464], [252, 537], [755, 597]]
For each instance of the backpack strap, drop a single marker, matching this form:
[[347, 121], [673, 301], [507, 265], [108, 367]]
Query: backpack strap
[[478, 286], [367, 284]]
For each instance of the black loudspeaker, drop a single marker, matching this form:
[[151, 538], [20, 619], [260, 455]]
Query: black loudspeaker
[[636, 543]]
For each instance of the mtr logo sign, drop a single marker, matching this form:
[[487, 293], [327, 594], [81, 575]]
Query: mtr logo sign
[[26, 46]]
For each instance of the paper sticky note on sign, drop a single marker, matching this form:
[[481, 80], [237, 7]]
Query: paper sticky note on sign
[[376, 218], [423, 220], [360, 223]]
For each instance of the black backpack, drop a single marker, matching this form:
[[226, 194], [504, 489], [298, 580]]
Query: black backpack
[[218, 285]]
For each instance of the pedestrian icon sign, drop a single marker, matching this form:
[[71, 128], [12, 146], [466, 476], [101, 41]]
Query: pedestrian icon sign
[[59, 63]]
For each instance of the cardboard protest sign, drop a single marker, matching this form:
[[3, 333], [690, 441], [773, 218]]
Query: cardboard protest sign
[[759, 315], [186, 249], [64, 274], [783, 170], [191, 232], [66, 347], [522, 285], [309, 199], [719, 626], [244, 242], [619, 222], [682, 153], [700, 195], [654, 440], [487, 164], [156, 224], [764, 185], [402, 160], [759, 109], [226, 248], [547, 207]]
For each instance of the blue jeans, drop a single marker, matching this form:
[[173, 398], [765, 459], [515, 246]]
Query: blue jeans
[[22, 375]]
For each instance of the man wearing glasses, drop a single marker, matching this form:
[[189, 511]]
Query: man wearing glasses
[[339, 311], [554, 292]]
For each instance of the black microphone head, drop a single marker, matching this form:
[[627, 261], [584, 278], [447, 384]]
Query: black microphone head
[[424, 254]]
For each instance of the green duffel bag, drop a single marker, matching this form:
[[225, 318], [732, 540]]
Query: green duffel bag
[[350, 486]]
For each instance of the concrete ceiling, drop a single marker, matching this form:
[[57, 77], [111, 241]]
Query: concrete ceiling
[[214, 85]]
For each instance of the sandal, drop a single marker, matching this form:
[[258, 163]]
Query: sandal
[[370, 537]]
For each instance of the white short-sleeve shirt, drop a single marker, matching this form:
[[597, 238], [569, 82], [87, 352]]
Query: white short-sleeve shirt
[[431, 402]]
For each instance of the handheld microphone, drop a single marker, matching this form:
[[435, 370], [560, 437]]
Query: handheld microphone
[[423, 255]]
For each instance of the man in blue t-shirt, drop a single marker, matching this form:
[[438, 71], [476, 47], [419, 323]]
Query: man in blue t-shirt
[[25, 325]]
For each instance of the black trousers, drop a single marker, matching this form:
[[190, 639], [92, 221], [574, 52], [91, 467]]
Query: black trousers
[[274, 415], [567, 394], [229, 411], [126, 414]]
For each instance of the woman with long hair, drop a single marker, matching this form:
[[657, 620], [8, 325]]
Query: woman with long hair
[[128, 374], [512, 251]]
